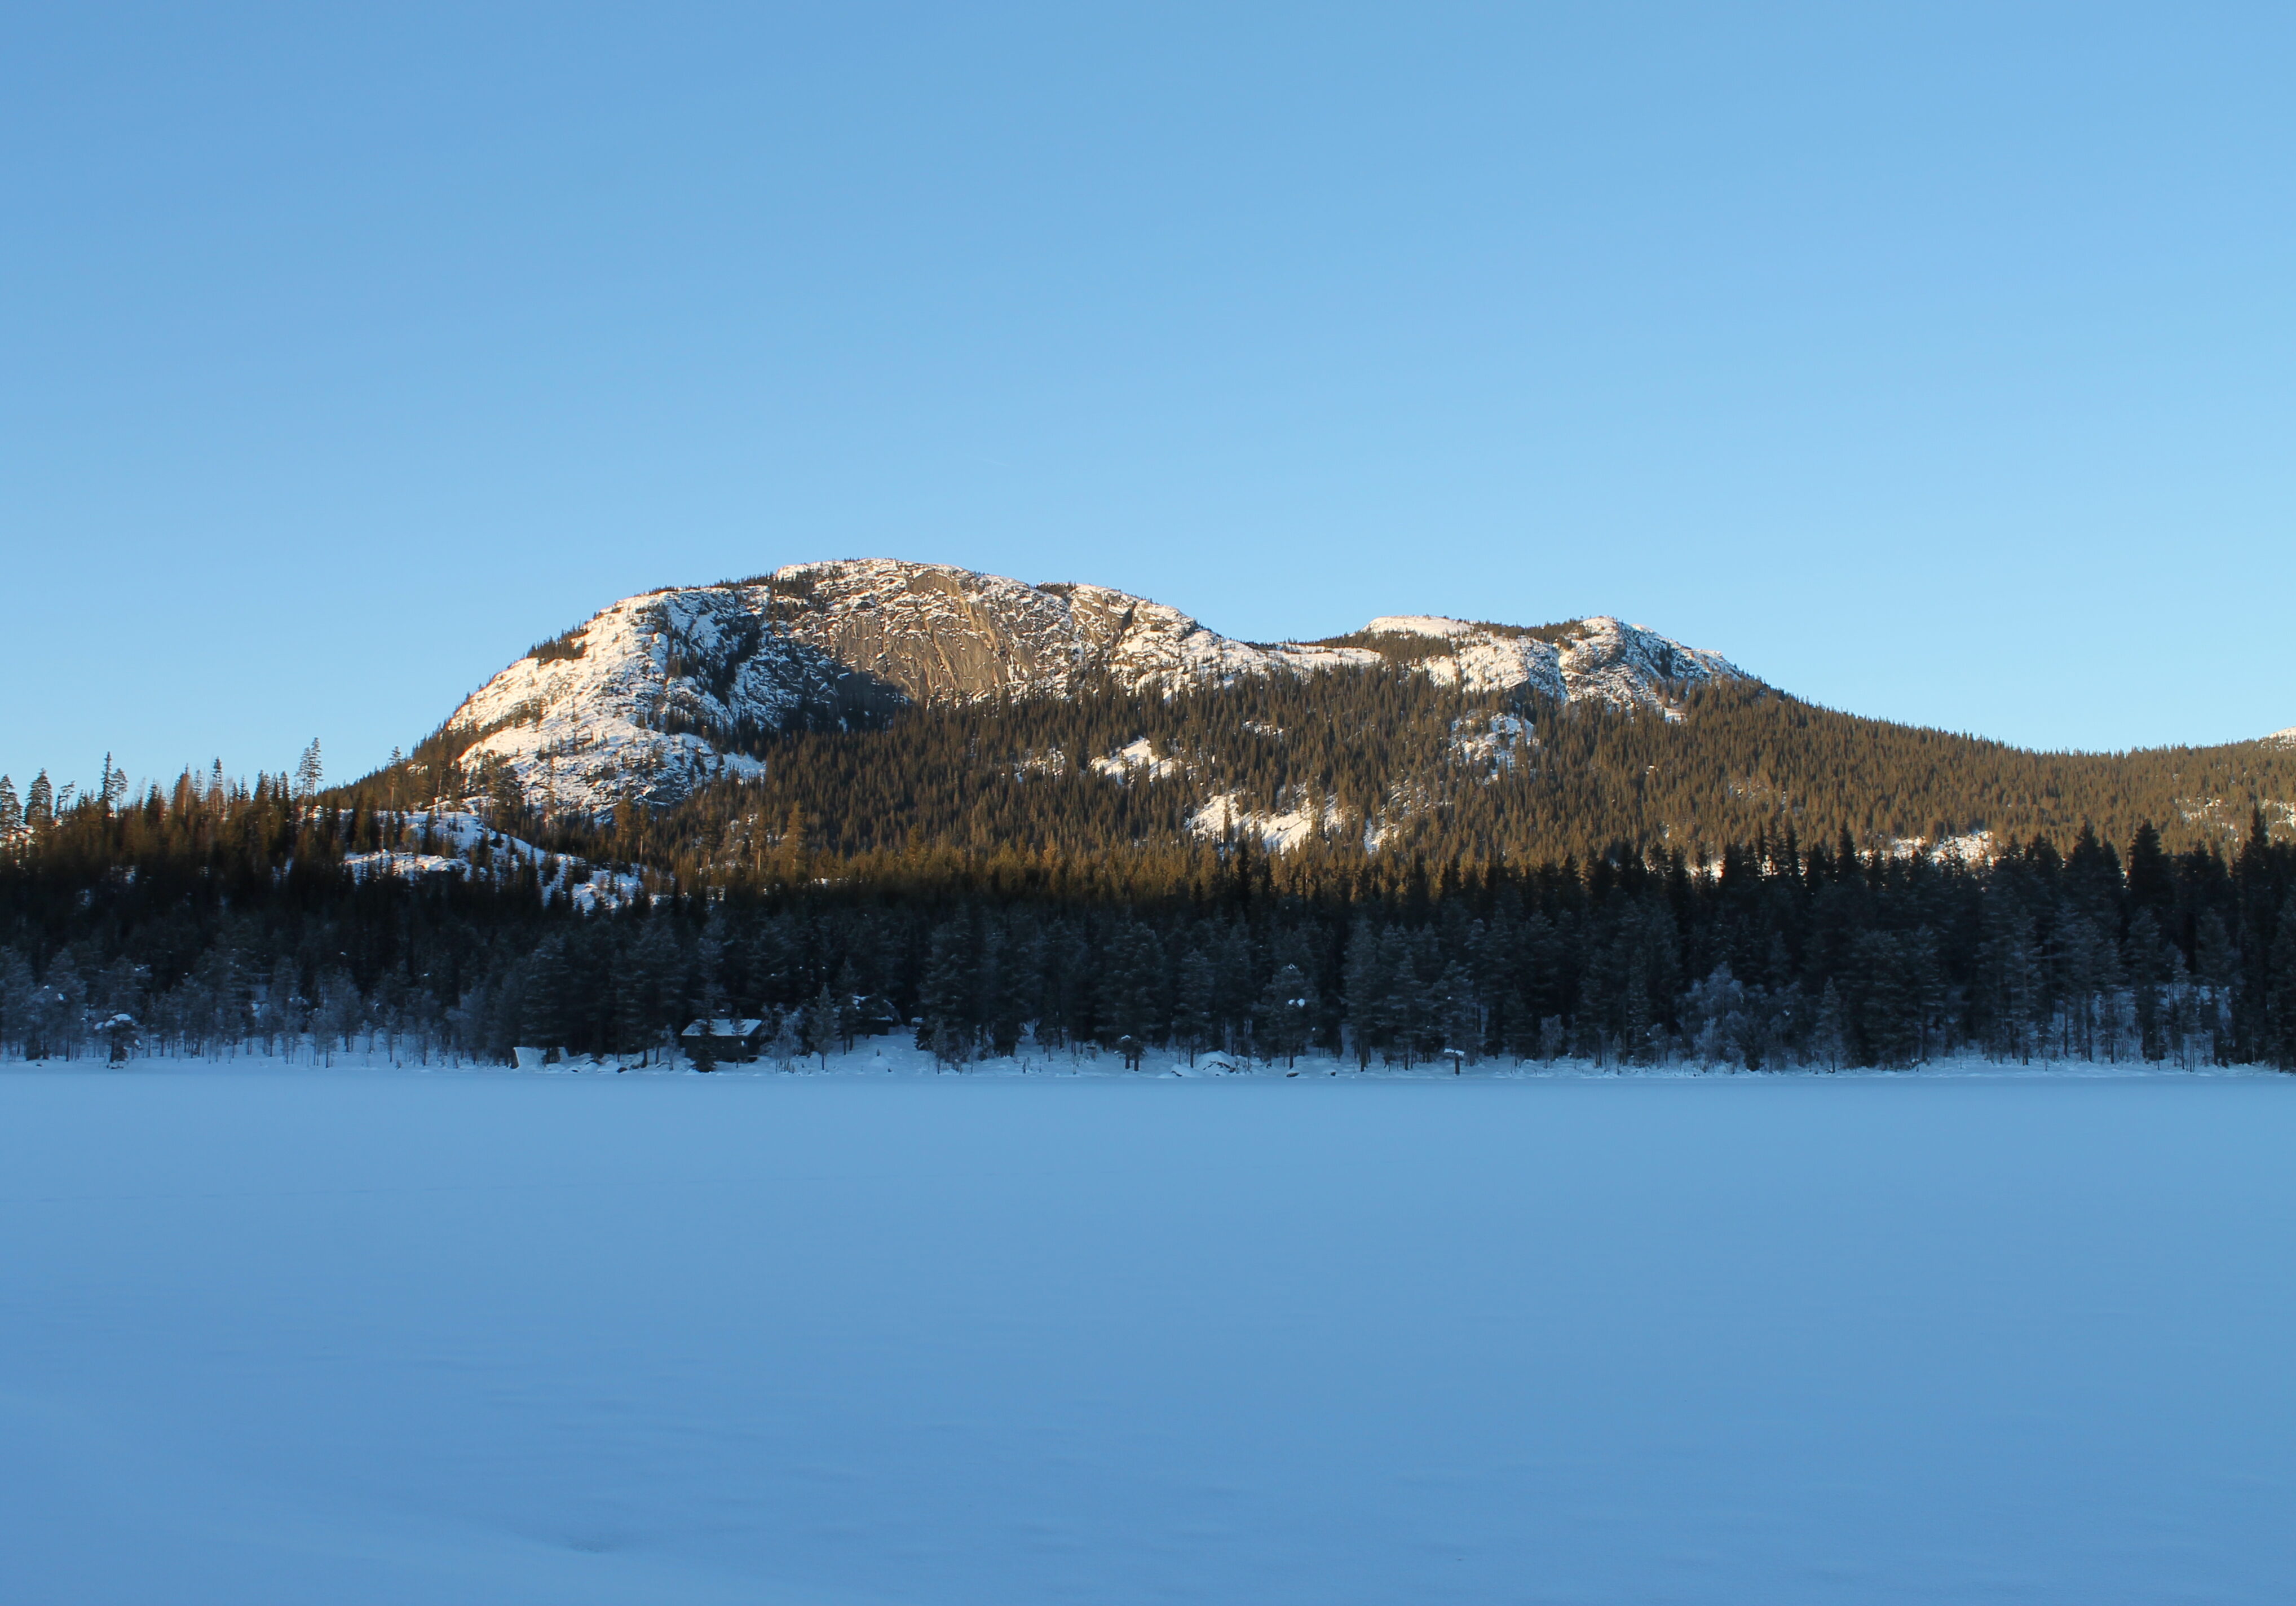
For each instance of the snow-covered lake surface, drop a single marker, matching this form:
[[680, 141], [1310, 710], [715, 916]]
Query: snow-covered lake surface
[[274, 1336]]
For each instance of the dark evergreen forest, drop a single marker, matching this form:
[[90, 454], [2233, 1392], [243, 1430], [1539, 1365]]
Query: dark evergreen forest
[[924, 880]]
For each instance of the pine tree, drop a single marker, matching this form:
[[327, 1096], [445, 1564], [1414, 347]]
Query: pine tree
[[1368, 985], [642, 1007], [12, 812], [2216, 968], [702, 1047], [2151, 965], [847, 992], [1131, 991], [946, 1000], [787, 864], [707, 988], [1192, 998], [40, 802], [1280, 1024], [2280, 994], [1830, 1035], [18, 995], [819, 1034], [308, 772], [1460, 1013], [1414, 1001], [2151, 875], [1016, 998], [547, 1007]]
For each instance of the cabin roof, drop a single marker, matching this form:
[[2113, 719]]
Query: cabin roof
[[721, 1026]]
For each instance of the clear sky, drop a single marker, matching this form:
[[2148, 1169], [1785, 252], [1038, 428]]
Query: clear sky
[[1936, 363]]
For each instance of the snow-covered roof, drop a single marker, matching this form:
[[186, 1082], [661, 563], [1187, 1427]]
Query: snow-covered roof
[[720, 1027]]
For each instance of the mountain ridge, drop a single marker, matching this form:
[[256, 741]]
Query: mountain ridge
[[660, 694]]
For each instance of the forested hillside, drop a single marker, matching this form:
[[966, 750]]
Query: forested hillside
[[222, 915], [1354, 773]]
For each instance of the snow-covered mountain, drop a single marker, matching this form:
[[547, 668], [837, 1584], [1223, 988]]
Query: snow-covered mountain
[[659, 693]]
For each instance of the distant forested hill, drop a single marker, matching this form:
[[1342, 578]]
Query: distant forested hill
[[1366, 861], [1353, 773]]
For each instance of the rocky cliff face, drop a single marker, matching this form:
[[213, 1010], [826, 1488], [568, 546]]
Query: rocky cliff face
[[660, 693], [935, 632]]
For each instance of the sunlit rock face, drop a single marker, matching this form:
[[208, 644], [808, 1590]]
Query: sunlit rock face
[[662, 692]]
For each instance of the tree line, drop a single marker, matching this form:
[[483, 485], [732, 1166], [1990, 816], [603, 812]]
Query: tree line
[[1383, 765], [217, 915]]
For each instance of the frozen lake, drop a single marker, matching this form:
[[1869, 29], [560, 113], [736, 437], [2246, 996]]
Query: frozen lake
[[353, 1337]]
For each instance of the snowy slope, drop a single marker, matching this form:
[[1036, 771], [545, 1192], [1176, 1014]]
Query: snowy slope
[[1600, 658], [454, 843], [660, 693]]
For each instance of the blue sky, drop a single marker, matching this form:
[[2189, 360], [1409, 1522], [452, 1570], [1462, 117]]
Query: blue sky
[[1937, 364]]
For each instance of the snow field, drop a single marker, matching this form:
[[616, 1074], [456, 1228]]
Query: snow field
[[278, 1334]]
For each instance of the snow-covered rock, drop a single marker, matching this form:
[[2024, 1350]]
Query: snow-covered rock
[[1230, 814], [452, 842], [1600, 657], [662, 692], [1491, 741], [1136, 757], [1967, 847]]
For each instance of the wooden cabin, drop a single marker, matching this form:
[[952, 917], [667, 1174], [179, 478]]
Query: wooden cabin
[[721, 1040]]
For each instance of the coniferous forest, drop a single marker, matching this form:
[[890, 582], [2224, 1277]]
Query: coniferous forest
[[1733, 888]]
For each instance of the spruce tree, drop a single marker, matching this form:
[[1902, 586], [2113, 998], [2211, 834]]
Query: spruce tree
[[2151, 965], [948, 997], [2151, 875], [1131, 991], [819, 1034], [547, 1006], [1460, 1013], [18, 1004], [1830, 1033], [1192, 998], [1369, 982], [2280, 992], [1281, 1022], [847, 992], [1020, 995]]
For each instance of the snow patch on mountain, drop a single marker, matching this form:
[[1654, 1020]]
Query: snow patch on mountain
[[1417, 624], [1492, 739], [1973, 847], [1229, 815], [452, 842], [663, 692], [1603, 659], [1136, 757]]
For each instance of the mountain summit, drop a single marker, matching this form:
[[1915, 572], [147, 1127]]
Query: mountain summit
[[663, 691]]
